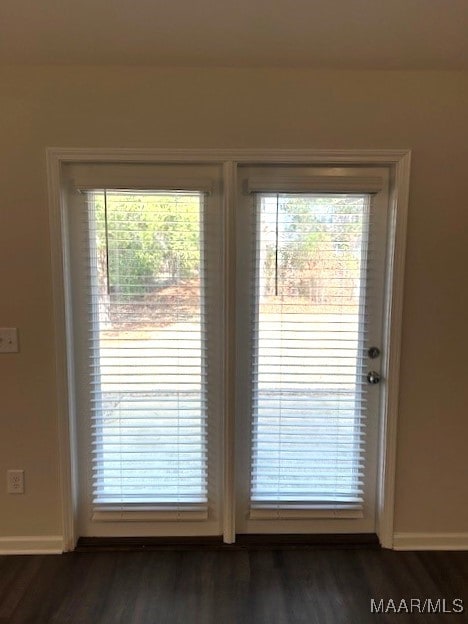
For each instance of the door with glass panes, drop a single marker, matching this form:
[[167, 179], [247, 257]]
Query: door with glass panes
[[145, 255], [310, 274], [147, 285]]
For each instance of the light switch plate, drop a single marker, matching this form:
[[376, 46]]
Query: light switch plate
[[8, 340]]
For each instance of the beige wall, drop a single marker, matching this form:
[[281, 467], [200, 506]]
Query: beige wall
[[106, 107]]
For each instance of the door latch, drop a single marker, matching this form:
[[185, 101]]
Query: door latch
[[373, 377]]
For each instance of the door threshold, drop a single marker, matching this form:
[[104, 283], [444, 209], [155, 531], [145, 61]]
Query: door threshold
[[243, 542]]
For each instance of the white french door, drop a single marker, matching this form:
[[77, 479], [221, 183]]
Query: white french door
[[146, 269], [311, 262], [147, 291]]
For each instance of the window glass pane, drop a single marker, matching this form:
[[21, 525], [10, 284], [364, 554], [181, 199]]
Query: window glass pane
[[146, 340], [308, 398]]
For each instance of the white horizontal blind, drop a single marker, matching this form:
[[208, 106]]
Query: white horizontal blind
[[309, 323], [147, 365]]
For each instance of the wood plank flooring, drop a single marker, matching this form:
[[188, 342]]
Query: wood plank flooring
[[293, 586]]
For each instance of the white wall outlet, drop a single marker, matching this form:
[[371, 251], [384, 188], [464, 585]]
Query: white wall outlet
[[15, 481], [8, 340]]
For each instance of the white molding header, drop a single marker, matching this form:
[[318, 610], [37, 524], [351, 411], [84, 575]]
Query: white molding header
[[253, 156]]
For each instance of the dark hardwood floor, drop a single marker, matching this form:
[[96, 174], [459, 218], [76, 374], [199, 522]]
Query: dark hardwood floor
[[249, 586]]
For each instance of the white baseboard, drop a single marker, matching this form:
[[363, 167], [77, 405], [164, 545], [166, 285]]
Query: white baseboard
[[31, 545], [430, 541], [53, 544]]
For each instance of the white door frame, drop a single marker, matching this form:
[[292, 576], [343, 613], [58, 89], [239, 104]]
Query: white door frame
[[398, 162]]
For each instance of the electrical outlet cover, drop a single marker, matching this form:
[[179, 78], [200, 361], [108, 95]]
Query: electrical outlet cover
[[15, 481]]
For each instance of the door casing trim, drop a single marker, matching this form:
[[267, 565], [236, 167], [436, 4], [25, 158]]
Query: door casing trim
[[398, 161]]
